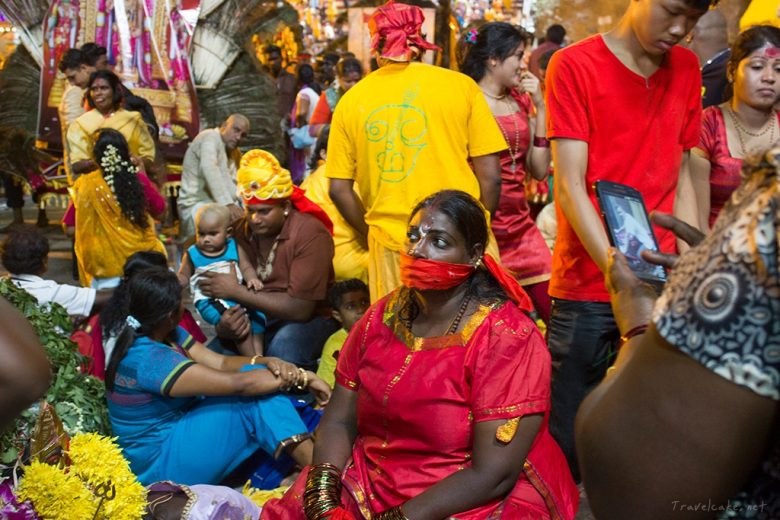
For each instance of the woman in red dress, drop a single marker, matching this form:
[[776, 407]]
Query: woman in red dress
[[492, 56], [745, 124], [443, 394]]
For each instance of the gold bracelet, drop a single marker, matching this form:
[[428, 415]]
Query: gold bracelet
[[303, 385], [253, 361]]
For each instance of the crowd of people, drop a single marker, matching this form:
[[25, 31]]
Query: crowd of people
[[377, 300]]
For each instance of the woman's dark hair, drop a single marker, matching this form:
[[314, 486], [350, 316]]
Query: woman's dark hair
[[152, 296], [348, 66], [113, 315], [468, 216], [306, 78], [127, 188], [25, 251], [497, 40], [749, 41], [113, 82], [319, 146]]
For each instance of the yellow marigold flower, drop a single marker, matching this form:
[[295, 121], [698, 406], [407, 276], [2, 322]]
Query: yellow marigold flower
[[98, 461], [261, 496], [56, 495]]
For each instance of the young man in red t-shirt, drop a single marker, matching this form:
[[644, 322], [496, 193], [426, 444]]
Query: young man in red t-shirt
[[625, 107]]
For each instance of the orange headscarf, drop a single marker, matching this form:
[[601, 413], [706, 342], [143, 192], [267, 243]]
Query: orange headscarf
[[398, 26]]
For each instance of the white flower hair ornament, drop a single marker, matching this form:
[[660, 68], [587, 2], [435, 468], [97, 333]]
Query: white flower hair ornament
[[111, 163]]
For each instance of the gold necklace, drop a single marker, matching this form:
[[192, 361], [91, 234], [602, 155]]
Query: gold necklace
[[769, 126], [492, 96]]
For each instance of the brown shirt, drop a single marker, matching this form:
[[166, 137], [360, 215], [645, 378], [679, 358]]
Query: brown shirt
[[303, 266]]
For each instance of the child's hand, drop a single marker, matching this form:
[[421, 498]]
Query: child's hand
[[320, 389], [254, 285]]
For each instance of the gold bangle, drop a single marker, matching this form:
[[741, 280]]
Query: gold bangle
[[322, 492], [394, 513], [303, 385], [253, 361]]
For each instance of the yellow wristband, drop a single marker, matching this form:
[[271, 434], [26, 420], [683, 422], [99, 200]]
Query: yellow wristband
[[253, 361]]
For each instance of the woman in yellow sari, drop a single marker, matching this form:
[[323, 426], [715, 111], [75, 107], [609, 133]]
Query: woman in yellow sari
[[112, 213], [104, 97]]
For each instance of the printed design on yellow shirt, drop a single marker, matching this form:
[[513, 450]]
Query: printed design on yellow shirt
[[399, 131]]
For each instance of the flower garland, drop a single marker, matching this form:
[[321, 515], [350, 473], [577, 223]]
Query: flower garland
[[111, 163], [98, 483]]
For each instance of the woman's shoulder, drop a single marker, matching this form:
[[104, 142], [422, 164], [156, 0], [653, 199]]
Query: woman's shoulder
[[712, 113], [88, 120], [507, 314]]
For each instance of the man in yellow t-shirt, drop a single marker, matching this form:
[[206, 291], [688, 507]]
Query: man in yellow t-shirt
[[404, 132]]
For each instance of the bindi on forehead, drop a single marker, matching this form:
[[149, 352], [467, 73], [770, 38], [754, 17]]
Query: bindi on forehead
[[768, 51]]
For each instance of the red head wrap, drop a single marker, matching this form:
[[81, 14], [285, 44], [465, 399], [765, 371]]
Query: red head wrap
[[398, 25]]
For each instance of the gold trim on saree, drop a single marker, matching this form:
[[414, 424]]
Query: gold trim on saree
[[416, 344]]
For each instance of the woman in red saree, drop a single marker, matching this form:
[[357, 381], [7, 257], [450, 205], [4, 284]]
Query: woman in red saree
[[492, 56], [443, 394]]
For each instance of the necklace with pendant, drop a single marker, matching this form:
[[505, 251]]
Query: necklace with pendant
[[512, 152], [264, 269]]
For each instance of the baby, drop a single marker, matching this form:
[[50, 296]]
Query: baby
[[214, 251]]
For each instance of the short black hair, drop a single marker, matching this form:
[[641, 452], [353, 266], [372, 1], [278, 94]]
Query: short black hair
[[92, 52], [72, 59], [339, 289], [269, 49], [25, 251], [331, 57], [555, 33], [319, 146], [701, 5]]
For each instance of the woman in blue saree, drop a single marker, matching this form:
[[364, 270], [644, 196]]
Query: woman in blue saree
[[184, 413]]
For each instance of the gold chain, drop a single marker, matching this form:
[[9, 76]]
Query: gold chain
[[769, 126]]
